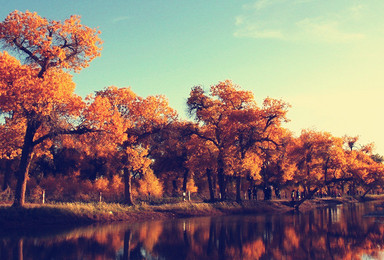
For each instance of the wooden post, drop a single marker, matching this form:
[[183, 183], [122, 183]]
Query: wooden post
[[100, 197], [189, 196], [43, 197]]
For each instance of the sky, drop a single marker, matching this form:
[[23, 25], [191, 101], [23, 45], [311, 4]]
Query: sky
[[324, 57]]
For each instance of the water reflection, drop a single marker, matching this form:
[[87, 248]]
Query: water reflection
[[329, 233]]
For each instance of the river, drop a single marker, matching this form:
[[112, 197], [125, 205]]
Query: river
[[339, 232]]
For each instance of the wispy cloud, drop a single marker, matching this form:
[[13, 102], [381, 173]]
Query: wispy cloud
[[300, 20], [325, 30], [120, 19], [255, 32]]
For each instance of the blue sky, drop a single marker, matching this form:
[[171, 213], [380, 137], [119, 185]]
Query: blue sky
[[324, 57]]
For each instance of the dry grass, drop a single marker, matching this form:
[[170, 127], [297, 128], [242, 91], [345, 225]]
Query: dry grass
[[84, 213]]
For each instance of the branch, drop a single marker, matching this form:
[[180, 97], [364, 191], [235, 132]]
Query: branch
[[30, 54], [78, 131]]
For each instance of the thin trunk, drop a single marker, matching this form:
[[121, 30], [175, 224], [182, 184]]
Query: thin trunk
[[25, 161], [7, 174], [222, 184], [127, 187], [221, 178], [310, 195], [366, 192], [238, 188], [210, 184], [185, 180]]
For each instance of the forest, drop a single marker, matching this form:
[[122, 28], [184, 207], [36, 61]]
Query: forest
[[117, 146]]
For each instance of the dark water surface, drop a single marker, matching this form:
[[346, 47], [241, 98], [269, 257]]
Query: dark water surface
[[340, 232]]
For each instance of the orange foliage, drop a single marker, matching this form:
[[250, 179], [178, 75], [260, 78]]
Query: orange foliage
[[191, 186], [51, 44], [235, 127], [149, 184], [319, 157], [39, 94]]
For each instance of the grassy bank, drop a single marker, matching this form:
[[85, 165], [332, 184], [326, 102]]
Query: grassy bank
[[86, 213]]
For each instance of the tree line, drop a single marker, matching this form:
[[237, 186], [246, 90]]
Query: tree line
[[116, 142]]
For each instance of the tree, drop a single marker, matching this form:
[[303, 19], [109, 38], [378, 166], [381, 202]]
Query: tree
[[169, 150], [10, 146], [49, 44], [39, 94], [230, 119], [212, 112], [202, 160], [365, 167], [320, 161], [277, 167], [256, 132], [131, 122]]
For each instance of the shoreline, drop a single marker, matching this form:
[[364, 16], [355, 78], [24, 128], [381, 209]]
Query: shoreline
[[71, 214]]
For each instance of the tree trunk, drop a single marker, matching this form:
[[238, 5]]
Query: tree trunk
[[366, 192], [210, 184], [185, 180], [238, 188], [127, 187], [221, 178], [25, 161], [7, 174], [222, 184]]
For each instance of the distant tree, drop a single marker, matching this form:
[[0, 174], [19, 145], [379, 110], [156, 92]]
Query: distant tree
[[320, 161], [232, 122], [377, 158], [132, 120], [213, 112], [365, 167]]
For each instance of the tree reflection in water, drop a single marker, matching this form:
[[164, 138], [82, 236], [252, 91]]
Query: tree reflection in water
[[329, 233]]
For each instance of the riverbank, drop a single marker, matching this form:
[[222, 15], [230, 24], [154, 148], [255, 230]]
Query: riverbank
[[64, 214]]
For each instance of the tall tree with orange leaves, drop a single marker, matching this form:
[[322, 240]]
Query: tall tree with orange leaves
[[213, 112], [366, 168], [132, 121], [38, 92], [256, 130], [320, 161], [233, 123]]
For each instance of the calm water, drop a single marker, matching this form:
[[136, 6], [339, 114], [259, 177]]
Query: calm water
[[330, 233]]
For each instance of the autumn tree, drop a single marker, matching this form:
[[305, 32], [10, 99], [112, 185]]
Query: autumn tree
[[132, 121], [212, 111], [320, 161], [202, 160], [365, 167], [10, 146], [256, 131], [233, 123], [169, 150], [39, 93], [277, 167]]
